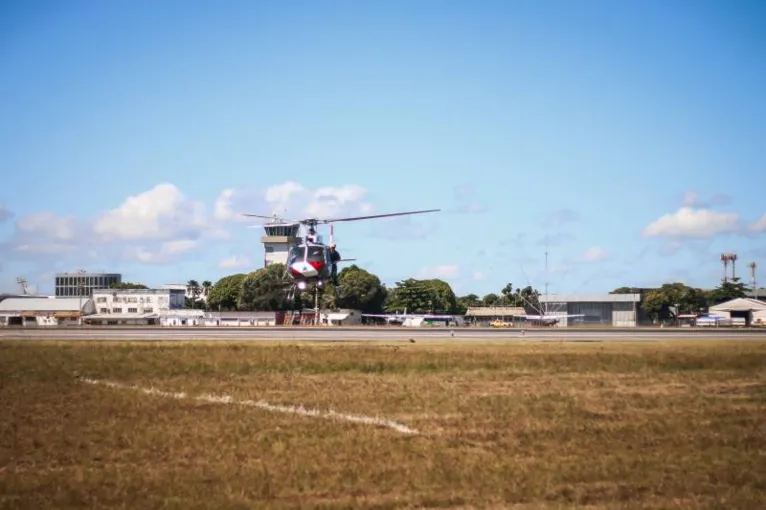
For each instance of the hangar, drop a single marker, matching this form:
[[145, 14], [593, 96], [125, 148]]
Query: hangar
[[484, 315], [618, 310], [44, 311], [748, 312]]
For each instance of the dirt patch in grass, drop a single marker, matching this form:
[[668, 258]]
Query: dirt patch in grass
[[522, 425]]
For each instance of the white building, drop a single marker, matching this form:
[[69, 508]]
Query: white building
[[279, 238], [740, 312], [618, 310], [187, 292], [44, 311], [134, 306]]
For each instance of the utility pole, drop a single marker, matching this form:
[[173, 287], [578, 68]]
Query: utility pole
[[545, 305], [752, 267], [80, 272]]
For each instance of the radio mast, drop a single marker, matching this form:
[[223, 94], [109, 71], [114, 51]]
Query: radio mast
[[545, 306]]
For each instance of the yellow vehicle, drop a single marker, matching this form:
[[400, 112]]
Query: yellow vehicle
[[500, 324]]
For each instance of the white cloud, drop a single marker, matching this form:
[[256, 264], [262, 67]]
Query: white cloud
[[161, 213], [291, 201], [46, 224], [167, 252], [234, 262], [695, 223], [446, 271], [760, 225], [162, 225], [594, 254], [479, 276]]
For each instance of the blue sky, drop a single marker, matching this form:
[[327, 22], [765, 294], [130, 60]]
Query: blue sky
[[631, 135]]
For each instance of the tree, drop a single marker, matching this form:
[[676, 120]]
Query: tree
[[529, 298], [491, 299], [265, 290], [422, 296], [127, 285], [727, 291], [361, 290], [673, 299], [466, 302], [207, 285], [225, 293], [507, 295], [193, 287]]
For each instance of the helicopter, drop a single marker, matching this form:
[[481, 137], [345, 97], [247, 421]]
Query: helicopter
[[310, 263]]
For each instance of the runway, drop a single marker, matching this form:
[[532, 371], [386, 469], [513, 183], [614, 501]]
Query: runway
[[348, 334]]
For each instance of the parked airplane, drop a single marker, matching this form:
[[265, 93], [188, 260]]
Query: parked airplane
[[401, 318], [549, 320]]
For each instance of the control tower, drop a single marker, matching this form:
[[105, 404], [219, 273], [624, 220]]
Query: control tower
[[280, 237]]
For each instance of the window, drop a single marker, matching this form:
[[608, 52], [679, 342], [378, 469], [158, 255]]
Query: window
[[101, 300], [132, 310], [116, 310], [269, 249], [103, 310], [148, 310], [316, 254]]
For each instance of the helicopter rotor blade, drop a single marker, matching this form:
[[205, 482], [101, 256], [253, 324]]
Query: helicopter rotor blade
[[286, 221], [373, 216]]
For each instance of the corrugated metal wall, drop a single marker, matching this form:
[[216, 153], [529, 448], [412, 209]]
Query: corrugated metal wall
[[595, 313], [623, 315]]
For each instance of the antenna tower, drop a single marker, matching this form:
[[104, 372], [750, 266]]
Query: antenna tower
[[725, 259], [23, 282], [545, 306]]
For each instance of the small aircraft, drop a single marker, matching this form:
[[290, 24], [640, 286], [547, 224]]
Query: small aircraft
[[310, 261], [549, 320]]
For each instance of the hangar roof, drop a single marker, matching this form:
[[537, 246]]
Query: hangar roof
[[42, 304], [740, 305], [495, 311], [591, 298]]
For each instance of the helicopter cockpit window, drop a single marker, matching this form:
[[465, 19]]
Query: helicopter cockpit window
[[296, 253], [316, 254]]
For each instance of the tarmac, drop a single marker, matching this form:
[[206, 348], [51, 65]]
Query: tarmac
[[371, 334]]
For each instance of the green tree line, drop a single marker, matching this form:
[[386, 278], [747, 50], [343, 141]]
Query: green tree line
[[266, 290], [673, 299]]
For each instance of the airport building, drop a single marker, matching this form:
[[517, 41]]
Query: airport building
[[745, 312], [138, 300], [163, 307], [187, 291], [44, 311], [277, 242], [618, 310], [83, 284]]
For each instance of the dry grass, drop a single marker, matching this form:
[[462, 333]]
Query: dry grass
[[520, 425]]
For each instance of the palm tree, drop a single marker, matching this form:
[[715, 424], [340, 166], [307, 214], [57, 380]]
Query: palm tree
[[193, 288], [207, 286]]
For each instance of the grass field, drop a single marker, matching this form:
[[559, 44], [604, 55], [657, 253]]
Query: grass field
[[519, 425]]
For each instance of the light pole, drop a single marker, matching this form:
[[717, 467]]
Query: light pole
[[80, 273]]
